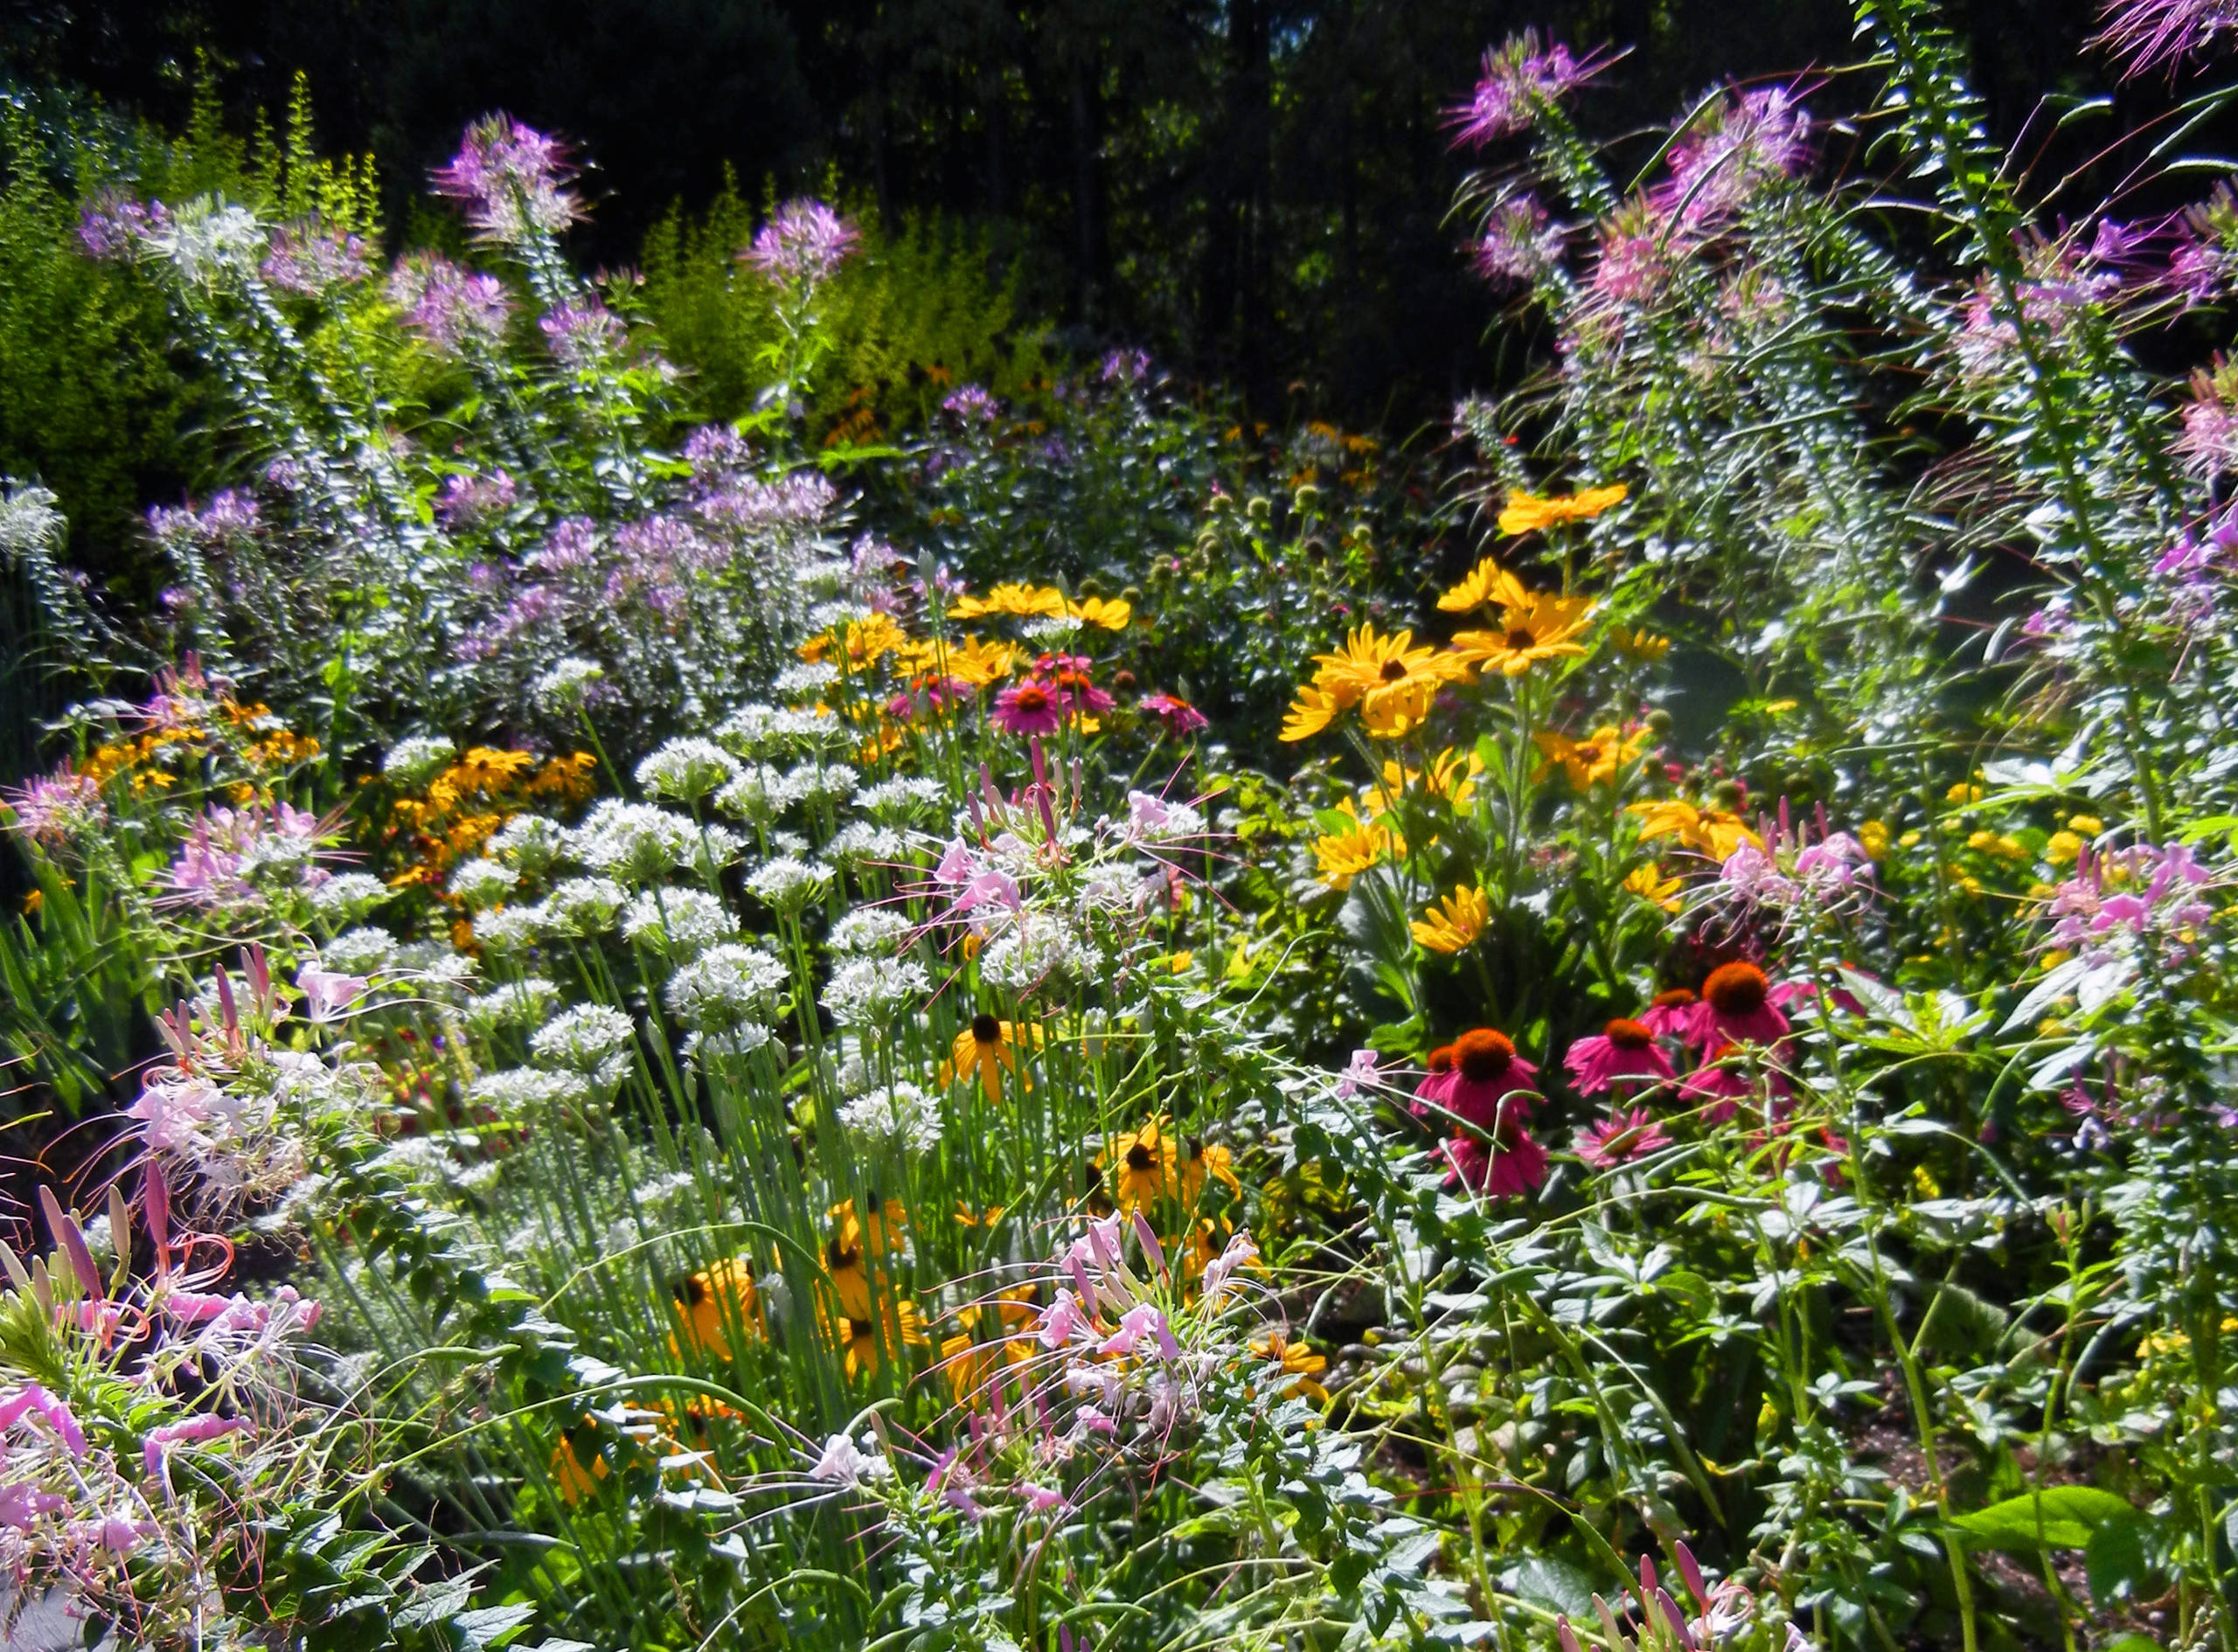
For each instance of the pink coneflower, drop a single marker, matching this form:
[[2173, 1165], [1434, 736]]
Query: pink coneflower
[[1031, 707], [1719, 1086], [1181, 718], [1736, 1008], [511, 178], [1486, 1071], [1609, 1142], [1437, 1078], [1517, 1165], [1670, 1014], [805, 242], [2147, 33], [1624, 1051], [1519, 83]]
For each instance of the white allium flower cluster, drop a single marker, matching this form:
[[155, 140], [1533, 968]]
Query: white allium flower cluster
[[1043, 956], [902, 801], [756, 793], [870, 929], [359, 951], [900, 1113], [481, 882], [728, 985], [516, 1090], [411, 762], [529, 843], [594, 1039], [511, 928], [679, 922], [347, 896], [584, 906], [638, 842], [786, 883], [861, 843], [687, 770], [515, 1003], [812, 782], [808, 677], [865, 992], [564, 688]]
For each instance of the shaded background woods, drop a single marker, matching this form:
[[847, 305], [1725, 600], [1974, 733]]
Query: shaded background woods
[[1257, 192]]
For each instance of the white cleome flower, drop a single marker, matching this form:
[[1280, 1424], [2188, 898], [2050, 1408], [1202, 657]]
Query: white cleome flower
[[901, 1114]]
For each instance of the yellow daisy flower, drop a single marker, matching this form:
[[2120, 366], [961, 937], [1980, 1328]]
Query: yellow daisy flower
[[1111, 612], [1715, 832], [1528, 512], [1143, 1167], [1488, 584], [1650, 885], [1019, 602], [1600, 756], [986, 1047], [1528, 635], [1454, 922], [1344, 855], [1298, 1362]]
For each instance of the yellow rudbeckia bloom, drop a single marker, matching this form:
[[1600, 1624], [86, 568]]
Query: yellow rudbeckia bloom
[[1600, 756], [1111, 612], [1650, 885], [1488, 584], [1456, 922], [1529, 635], [1344, 854], [1528, 512], [1018, 601], [1715, 832]]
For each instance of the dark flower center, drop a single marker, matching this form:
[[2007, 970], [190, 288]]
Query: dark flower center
[[1519, 638], [1736, 988], [1140, 1157], [1441, 1059], [1482, 1055], [1676, 998], [1393, 670], [986, 1030], [1030, 698], [842, 1256], [691, 1292], [1628, 1034]]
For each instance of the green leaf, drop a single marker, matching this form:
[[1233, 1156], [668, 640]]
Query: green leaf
[[2059, 1517]]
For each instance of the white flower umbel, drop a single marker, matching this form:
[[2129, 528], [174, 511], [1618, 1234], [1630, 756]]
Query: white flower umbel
[[865, 992], [809, 677], [347, 896], [727, 987], [757, 794], [870, 929], [813, 782], [862, 843], [411, 763], [900, 1113], [901, 802], [359, 951], [749, 731], [516, 1003], [679, 922], [842, 1465], [686, 770], [591, 1038], [786, 884], [584, 906], [634, 842], [728, 1044], [511, 928], [1040, 956], [481, 882], [529, 843], [563, 689], [512, 1091]]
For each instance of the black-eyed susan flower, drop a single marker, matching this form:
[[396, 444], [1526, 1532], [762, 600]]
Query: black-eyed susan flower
[[1455, 923], [1110, 612], [1488, 584], [1299, 1363], [1650, 884], [1715, 832], [1530, 512], [988, 1048], [1602, 755], [1143, 1167], [1345, 854], [1203, 1162], [577, 1465], [711, 1303], [1540, 631], [864, 1339], [1390, 680]]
